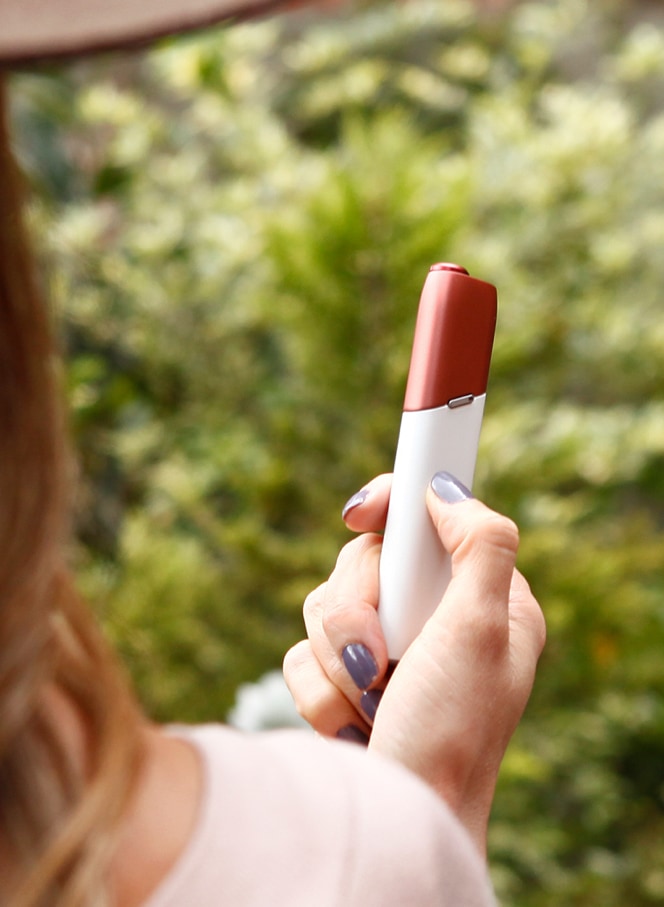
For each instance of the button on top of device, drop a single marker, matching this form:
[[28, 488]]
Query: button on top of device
[[448, 266]]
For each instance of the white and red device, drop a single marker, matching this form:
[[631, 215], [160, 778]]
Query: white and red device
[[440, 430]]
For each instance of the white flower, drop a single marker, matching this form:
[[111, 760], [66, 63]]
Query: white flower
[[264, 705]]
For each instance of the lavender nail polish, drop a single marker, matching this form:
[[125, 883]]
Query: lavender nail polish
[[369, 701], [358, 498], [449, 488], [360, 664], [353, 734]]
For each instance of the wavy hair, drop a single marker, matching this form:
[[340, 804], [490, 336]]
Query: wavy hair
[[59, 810]]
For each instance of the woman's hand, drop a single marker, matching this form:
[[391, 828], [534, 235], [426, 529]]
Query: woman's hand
[[456, 697]]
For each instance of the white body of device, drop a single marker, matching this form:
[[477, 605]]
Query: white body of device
[[440, 430]]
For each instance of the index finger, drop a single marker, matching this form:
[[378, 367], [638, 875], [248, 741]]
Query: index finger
[[366, 510]]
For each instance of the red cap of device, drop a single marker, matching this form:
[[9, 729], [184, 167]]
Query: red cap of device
[[456, 323]]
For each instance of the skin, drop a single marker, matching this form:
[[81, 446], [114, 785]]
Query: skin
[[161, 818], [447, 713], [457, 695], [162, 813]]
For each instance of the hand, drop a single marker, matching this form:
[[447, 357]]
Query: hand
[[457, 695]]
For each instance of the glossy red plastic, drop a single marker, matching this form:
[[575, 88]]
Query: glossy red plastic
[[456, 323]]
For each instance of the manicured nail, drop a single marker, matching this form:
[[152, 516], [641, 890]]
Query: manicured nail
[[369, 702], [358, 498], [353, 734], [450, 489], [360, 664]]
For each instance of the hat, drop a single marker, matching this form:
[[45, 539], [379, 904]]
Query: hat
[[33, 30]]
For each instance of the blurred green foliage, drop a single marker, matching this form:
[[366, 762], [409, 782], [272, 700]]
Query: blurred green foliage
[[235, 228]]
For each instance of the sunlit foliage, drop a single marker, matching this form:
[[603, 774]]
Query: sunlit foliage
[[235, 229]]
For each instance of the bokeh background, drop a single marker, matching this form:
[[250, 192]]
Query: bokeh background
[[234, 229]]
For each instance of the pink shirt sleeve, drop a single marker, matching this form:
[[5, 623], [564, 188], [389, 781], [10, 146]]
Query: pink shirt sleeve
[[291, 820]]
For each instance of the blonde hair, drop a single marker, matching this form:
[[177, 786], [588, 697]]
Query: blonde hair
[[58, 818]]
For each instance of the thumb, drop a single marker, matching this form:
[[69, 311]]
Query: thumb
[[482, 544]]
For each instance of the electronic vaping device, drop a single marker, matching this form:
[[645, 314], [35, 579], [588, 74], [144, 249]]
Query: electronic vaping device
[[440, 430]]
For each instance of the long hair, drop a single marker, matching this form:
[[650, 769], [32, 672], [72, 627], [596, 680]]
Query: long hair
[[58, 814]]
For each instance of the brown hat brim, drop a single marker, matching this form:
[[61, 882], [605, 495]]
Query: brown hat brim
[[33, 30]]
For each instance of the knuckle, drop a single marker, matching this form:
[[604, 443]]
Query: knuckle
[[349, 552], [497, 532], [309, 699], [539, 628], [528, 610], [314, 601], [295, 659], [357, 548], [335, 616]]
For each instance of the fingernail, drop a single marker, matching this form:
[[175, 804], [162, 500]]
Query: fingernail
[[360, 664], [353, 734], [369, 701], [450, 489], [358, 498]]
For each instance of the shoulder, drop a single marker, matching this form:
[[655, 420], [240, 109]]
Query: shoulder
[[403, 845], [287, 813]]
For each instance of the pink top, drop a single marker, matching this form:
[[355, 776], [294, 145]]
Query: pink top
[[291, 820]]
